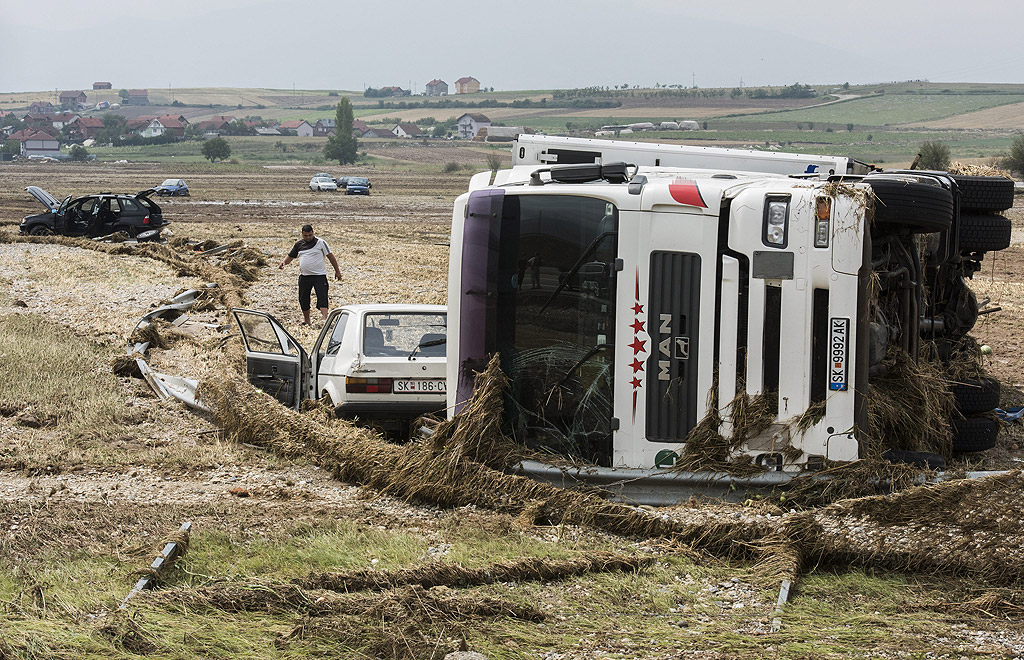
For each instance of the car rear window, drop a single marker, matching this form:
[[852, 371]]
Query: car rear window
[[399, 334], [356, 181]]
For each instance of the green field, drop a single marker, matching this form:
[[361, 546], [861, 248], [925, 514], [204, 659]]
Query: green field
[[887, 109]]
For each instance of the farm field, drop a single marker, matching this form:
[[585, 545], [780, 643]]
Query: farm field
[[883, 124], [96, 473], [893, 109]]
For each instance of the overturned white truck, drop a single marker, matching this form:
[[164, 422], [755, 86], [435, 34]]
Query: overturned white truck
[[635, 291]]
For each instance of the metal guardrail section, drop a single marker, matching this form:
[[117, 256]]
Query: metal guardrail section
[[665, 487]]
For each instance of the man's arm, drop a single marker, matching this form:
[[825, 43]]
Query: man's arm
[[334, 262], [287, 260]]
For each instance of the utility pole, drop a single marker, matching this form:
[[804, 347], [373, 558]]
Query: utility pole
[[695, 80]]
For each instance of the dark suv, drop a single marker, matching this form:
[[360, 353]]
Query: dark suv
[[95, 215]]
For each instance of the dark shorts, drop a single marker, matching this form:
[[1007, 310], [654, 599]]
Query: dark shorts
[[306, 284]]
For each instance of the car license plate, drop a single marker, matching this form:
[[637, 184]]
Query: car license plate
[[838, 343], [420, 386]]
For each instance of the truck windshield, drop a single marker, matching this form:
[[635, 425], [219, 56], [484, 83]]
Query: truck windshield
[[554, 318]]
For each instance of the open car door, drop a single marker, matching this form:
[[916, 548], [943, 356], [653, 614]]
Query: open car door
[[274, 360]]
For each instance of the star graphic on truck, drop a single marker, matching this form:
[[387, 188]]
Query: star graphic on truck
[[638, 345], [637, 365], [638, 326]]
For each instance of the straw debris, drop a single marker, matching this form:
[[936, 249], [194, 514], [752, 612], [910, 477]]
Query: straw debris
[[971, 169], [452, 575]]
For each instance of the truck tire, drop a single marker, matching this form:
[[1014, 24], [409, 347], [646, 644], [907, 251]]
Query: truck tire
[[975, 396], [40, 230], [903, 202], [984, 233], [984, 193], [974, 434]]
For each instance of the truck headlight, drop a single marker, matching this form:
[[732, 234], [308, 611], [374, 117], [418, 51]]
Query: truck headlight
[[822, 216], [776, 222]]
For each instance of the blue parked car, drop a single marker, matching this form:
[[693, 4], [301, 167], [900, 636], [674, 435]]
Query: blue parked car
[[172, 187], [357, 185]]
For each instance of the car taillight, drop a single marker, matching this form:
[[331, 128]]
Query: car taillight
[[145, 220], [367, 385]]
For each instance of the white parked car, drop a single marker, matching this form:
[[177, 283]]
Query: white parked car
[[378, 362], [322, 182]]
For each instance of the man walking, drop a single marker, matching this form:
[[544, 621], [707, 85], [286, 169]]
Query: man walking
[[310, 252]]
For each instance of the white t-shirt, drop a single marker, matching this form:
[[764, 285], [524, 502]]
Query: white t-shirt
[[311, 256]]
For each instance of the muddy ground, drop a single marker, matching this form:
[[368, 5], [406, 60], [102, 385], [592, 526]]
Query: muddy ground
[[112, 495]]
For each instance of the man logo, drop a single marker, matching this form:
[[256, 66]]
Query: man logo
[[682, 347]]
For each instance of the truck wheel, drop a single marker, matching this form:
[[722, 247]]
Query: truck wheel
[[985, 193], [40, 230], [904, 202], [984, 233], [975, 396], [974, 434]]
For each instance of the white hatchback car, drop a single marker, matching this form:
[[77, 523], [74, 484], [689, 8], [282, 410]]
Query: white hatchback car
[[323, 182], [379, 362]]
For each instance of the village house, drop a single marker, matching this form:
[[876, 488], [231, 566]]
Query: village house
[[377, 132], [37, 143], [84, 128], [38, 121], [137, 97], [102, 85], [359, 127], [63, 119], [41, 108], [467, 85], [470, 123], [72, 100], [394, 91], [437, 87], [166, 125], [324, 128], [266, 131], [301, 127], [407, 130], [217, 126], [138, 124]]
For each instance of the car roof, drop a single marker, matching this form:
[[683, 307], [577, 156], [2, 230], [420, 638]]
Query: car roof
[[396, 308]]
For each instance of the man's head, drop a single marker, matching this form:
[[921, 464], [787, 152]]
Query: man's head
[[307, 232]]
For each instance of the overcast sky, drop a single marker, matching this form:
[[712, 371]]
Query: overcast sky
[[530, 44]]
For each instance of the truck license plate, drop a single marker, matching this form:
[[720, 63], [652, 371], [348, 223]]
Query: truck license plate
[[838, 353], [420, 386]]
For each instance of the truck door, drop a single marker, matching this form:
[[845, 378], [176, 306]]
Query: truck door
[[274, 360]]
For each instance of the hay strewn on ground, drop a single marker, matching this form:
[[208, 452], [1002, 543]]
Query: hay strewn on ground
[[960, 527]]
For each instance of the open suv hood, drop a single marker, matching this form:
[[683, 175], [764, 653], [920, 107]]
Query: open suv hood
[[45, 198]]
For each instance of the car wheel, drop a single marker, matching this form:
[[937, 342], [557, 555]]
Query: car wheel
[[985, 193], [148, 235], [40, 230], [984, 233], [903, 202], [974, 434], [975, 396]]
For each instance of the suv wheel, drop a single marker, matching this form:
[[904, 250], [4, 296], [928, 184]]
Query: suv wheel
[[41, 230]]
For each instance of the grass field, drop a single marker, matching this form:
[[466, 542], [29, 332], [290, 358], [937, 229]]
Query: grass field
[[889, 109]]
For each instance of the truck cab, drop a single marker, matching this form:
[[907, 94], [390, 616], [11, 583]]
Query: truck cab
[[640, 307]]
